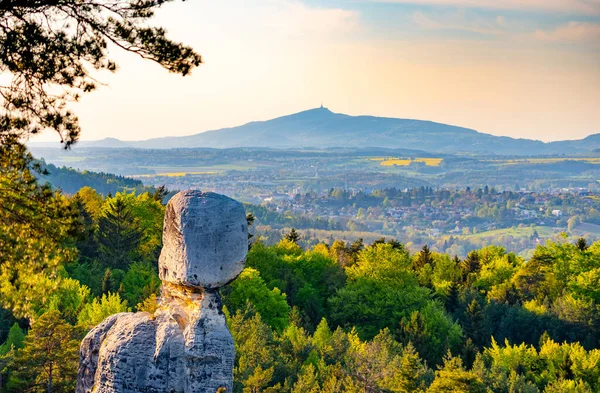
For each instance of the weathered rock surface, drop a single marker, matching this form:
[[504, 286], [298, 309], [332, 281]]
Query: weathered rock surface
[[185, 347], [205, 240]]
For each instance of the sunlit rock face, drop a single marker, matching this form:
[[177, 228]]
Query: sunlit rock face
[[205, 240], [186, 345]]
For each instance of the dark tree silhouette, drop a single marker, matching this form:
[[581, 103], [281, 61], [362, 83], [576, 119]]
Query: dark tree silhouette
[[452, 301], [49, 48], [582, 244], [292, 236], [474, 323], [250, 220], [356, 246], [471, 263], [423, 258], [160, 193]]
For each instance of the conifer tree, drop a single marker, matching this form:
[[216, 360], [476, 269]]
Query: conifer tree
[[470, 265], [474, 323], [160, 193], [292, 236], [250, 218], [357, 246], [14, 341], [49, 360], [582, 244], [452, 301], [411, 373], [119, 234], [423, 258]]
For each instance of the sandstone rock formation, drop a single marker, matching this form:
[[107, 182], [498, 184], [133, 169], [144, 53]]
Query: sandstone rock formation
[[185, 347], [205, 240]]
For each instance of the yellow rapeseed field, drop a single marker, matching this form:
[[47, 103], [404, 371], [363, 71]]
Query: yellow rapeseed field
[[176, 174], [430, 161], [407, 161], [395, 161]]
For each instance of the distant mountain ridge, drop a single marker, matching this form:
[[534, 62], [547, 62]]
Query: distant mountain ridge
[[321, 128]]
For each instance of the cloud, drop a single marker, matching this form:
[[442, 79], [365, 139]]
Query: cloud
[[459, 21], [294, 15], [571, 32], [258, 19], [500, 26], [574, 7]]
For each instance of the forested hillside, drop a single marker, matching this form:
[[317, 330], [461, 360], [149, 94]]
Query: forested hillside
[[70, 180], [339, 317], [374, 318]]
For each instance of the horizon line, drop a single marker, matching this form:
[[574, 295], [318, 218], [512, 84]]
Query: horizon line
[[321, 107]]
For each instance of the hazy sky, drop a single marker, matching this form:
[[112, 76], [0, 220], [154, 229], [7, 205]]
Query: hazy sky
[[506, 67]]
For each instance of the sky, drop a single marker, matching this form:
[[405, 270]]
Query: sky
[[528, 69]]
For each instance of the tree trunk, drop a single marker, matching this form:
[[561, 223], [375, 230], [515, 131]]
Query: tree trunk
[[50, 380]]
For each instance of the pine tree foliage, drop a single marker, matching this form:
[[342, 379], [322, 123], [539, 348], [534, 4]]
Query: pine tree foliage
[[292, 236], [423, 258], [49, 360], [15, 340], [52, 50], [119, 234]]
